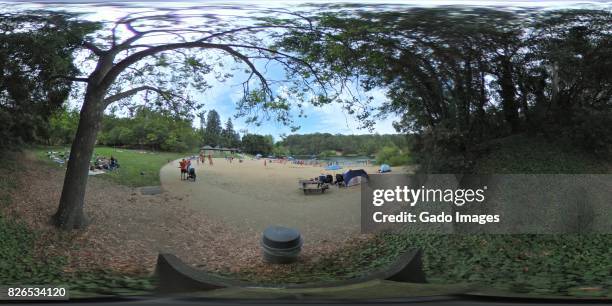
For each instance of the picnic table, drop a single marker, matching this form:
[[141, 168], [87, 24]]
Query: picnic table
[[312, 186]]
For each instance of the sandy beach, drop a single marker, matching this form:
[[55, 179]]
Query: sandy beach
[[252, 196]]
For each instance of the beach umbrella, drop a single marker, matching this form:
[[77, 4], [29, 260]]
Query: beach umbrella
[[333, 167]]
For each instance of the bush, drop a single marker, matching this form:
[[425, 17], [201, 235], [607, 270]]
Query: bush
[[590, 129], [327, 153], [393, 156], [443, 150]]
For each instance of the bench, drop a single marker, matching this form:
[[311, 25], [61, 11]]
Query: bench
[[310, 186]]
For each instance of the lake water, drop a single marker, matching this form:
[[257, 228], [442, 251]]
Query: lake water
[[341, 160]]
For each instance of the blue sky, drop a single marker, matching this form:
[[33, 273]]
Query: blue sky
[[328, 119], [332, 118]]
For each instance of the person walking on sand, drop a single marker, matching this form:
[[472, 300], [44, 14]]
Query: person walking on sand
[[183, 166], [210, 159]]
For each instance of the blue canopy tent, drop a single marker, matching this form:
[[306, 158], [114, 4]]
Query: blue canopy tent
[[333, 167], [354, 177], [385, 168]]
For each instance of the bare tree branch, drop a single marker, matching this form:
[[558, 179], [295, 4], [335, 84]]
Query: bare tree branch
[[70, 78], [93, 48], [128, 93], [119, 67]]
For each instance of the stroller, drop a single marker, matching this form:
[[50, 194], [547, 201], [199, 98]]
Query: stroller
[[339, 180], [191, 174]]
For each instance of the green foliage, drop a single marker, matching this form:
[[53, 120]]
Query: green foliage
[[280, 150], [100, 283], [37, 47], [212, 134], [147, 128], [151, 129], [18, 261], [537, 155], [7, 181], [525, 264], [327, 153], [461, 77], [317, 143], [538, 264], [62, 127], [19, 264], [590, 129], [443, 150], [393, 156], [257, 144], [229, 137]]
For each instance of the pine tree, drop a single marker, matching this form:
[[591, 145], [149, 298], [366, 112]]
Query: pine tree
[[212, 135]]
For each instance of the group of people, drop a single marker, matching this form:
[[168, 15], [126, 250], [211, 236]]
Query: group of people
[[187, 170], [202, 158], [103, 163]]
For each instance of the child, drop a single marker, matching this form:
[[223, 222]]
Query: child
[[183, 166]]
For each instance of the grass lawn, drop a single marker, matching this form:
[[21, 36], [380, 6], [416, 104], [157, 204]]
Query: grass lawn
[[138, 167], [21, 264]]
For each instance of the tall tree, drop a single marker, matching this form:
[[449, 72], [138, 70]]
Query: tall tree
[[230, 137], [212, 135], [201, 131], [257, 144], [163, 55]]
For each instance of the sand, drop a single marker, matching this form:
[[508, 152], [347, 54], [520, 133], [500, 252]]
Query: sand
[[251, 196]]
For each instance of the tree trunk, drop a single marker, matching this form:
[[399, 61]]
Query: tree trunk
[[70, 212], [508, 95]]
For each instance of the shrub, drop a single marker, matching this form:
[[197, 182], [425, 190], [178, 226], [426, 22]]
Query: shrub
[[443, 150], [327, 153], [590, 129], [393, 156]]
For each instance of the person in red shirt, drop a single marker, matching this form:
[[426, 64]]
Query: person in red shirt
[[183, 166]]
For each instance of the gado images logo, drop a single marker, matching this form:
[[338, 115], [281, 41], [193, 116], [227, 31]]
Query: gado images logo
[[496, 204]]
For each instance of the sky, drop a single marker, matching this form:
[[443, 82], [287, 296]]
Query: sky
[[331, 118], [223, 96]]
